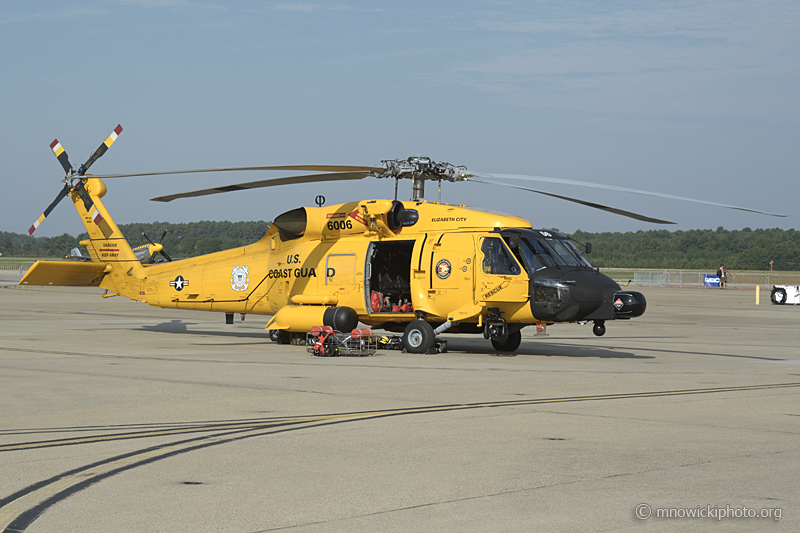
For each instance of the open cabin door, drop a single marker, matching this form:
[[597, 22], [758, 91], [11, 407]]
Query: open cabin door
[[388, 277]]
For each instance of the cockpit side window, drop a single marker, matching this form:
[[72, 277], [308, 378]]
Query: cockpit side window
[[497, 259], [512, 241], [571, 247]]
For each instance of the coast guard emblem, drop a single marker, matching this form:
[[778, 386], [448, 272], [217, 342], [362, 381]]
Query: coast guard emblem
[[239, 279], [443, 269]]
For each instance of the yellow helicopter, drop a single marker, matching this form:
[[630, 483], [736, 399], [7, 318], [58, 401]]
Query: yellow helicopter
[[416, 267]]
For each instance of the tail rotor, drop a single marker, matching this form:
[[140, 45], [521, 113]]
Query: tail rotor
[[74, 180]]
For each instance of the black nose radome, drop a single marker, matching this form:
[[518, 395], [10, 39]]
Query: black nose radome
[[629, 304]]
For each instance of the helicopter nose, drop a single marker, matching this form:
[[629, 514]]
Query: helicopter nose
[[586, 292], [572, 295]]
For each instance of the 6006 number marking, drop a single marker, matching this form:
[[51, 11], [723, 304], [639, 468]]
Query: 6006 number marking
[[340, 224]]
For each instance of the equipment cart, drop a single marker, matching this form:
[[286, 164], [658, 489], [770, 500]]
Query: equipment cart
[[324, 341]]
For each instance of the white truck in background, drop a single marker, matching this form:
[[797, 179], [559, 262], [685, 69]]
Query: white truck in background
[[785, 294]]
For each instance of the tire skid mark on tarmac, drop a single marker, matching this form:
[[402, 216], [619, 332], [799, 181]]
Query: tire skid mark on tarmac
[[120, 427], [180, 430], [262, 423], [19, 510]]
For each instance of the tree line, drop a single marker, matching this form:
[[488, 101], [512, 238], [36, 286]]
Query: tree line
[[693, 249], [698, 249], [181, 240]]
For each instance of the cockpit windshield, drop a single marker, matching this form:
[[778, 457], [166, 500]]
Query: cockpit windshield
[[563, 252], [550, 251], [538, 254]]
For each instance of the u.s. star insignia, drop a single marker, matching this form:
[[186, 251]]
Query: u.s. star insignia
[[239, 279], [179, 283]]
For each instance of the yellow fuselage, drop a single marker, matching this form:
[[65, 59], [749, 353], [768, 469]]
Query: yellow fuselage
[[328, 265]]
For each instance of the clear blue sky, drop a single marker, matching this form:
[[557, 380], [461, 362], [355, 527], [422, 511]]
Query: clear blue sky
[[695, 98]]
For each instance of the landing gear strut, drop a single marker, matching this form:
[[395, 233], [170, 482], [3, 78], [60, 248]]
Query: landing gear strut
[[495, 326], [505, 337]]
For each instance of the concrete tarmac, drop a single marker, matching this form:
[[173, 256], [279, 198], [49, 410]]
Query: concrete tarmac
[[115, 416]]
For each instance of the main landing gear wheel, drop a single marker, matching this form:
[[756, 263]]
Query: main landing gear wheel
[[280, 336], [419, 337], [511, 343], [778, 296]]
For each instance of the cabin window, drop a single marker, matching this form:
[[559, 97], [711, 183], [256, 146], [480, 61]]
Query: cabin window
[[497, 259]]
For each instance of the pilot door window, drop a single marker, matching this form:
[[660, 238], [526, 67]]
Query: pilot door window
[[497, 259]]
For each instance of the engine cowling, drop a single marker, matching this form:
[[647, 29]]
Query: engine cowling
[[386, 217]]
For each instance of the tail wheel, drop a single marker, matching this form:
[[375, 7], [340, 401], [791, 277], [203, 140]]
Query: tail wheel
[[510, 344], [419, 337], [599, 328], [778, 296]]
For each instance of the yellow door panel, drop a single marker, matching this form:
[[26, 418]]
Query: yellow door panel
[[451, 273], [500, 278]]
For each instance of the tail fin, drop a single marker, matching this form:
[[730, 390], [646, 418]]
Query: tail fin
[[106, 244], [114, 264]]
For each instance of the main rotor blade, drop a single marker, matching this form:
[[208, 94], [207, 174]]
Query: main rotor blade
[[61, 155], [308, 178], [620, 189], [324, 168], [61, 194], [614, 210], [101, 150]]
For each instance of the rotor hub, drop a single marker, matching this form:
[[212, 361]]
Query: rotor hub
[[419, 168]]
